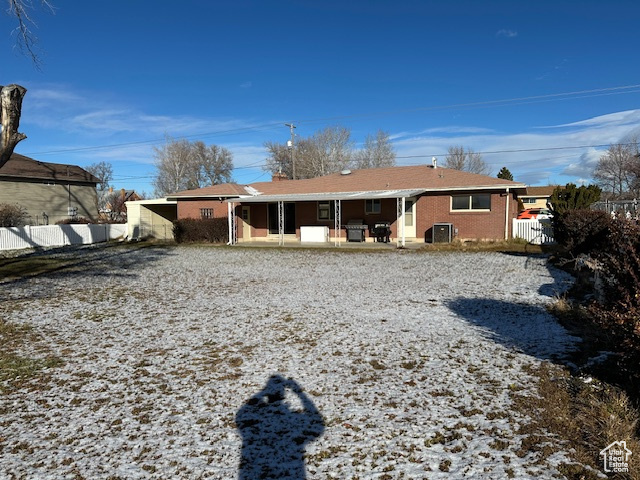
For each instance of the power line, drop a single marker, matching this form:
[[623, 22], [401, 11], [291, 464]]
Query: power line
[[273, 125], [519, 150]]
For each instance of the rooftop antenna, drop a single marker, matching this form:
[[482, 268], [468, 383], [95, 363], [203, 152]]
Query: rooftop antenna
[[290, 145]]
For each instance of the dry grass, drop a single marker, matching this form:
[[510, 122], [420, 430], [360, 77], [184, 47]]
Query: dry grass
[[16, 369], [514, 245], [585, 416], [595, 413]]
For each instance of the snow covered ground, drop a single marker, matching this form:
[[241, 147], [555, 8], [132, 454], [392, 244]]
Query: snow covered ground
[[352, 365]]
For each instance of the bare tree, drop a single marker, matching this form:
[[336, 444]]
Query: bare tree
[[183, 165], [475, 164], [459, 159], [279, 159], [618, 172], [212, 164], [103, 171], [327, 151], [172, 162], [456, 158], [377, 152], [11, 108]]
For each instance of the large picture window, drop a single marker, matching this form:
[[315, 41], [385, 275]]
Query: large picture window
[[478, 201]]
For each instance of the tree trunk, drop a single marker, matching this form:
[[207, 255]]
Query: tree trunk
[[11, 98]]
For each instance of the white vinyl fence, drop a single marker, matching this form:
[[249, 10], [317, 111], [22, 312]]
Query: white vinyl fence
[[538, 232], [14, 238]]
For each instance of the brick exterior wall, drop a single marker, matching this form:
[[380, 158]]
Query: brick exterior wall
[[430, 208], [478, 225], [191, 208]]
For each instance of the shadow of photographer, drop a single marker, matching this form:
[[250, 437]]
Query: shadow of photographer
[[276, 424]]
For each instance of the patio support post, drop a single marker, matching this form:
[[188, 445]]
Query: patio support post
[[400, 222], [231, 217], [506, 217], [281, 223], [337, 221]]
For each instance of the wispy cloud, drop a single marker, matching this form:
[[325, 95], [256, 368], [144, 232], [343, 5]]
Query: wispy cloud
[[506, 33], [88, 115], [556, 154], [248, 84]]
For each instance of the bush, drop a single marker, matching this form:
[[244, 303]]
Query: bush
[[620, 263], [74, 221], [609, 252], [211, 230], [12, 215], [581, 231]]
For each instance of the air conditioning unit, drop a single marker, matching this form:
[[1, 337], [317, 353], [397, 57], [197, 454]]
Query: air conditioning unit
[[442, 233]]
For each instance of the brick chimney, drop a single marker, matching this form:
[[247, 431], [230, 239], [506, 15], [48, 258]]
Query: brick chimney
[[279, 177]]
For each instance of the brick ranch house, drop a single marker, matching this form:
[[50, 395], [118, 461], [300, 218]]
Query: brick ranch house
[[411, 199]]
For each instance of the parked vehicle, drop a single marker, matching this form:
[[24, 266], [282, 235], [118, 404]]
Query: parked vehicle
[[537, 213]]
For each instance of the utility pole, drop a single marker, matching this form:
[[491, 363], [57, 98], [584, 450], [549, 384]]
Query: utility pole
[[290, 144]]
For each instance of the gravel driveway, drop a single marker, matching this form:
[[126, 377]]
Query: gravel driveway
[[178, 361]]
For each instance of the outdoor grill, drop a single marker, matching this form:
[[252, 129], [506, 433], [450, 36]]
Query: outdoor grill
[[381, 231], [355, 230]]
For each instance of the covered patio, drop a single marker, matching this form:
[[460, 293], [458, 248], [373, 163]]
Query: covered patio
[[331, 207]]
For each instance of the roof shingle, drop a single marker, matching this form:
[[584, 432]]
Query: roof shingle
[[23, 167], [422, 177]]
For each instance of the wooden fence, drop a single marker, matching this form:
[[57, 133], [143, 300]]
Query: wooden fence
[[14, 238], [538, 232]]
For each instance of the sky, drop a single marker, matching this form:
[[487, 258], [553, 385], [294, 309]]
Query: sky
[[540, 87]]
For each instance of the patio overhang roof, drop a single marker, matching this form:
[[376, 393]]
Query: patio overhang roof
[[319, 197]]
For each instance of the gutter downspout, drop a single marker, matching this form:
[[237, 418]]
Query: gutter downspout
[[506, 217]]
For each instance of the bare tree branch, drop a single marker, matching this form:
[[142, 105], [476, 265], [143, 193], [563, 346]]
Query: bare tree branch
[[377, 152], [617, 170], [469, 161], [26, 40], [327, 151], [184, 165]]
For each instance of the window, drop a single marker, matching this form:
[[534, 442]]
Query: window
[[471, 202], [372, 206], [206, 213], [326, 210], [529, 200]]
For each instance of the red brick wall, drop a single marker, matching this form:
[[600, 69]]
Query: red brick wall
[[433, 208], [430, 208], [190, 208]]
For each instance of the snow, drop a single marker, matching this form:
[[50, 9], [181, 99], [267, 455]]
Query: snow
[[385, 365]]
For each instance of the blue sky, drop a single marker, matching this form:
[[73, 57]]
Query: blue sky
[[542, 87]]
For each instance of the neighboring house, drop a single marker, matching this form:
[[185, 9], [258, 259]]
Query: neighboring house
[[411, 199], [536, 197], [114, 206], [49, 192]]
